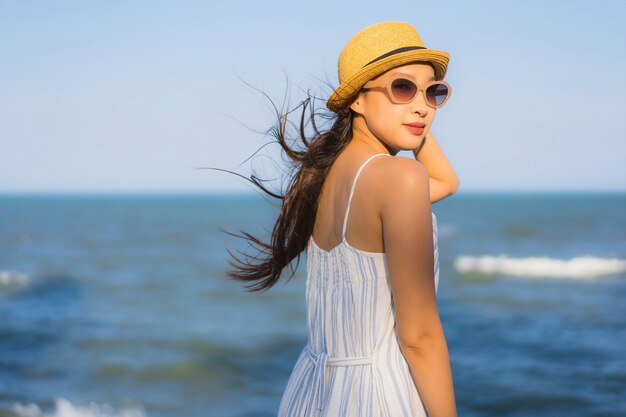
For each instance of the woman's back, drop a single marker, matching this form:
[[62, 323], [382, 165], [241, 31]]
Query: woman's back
[[352, 364], [363, 228]]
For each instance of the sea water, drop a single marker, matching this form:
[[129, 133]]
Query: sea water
[[119, 306]]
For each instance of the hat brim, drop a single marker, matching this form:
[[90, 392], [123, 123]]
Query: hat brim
[[348, 89]]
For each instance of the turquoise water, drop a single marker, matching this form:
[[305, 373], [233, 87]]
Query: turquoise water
[[118, 306]]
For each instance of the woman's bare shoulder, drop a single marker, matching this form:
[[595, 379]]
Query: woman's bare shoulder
[[397, 180], [400, 172]]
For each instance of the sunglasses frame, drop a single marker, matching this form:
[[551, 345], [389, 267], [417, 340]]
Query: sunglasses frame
[[386, 87]]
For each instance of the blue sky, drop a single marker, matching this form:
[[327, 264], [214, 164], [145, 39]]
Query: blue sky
[[135, 95]]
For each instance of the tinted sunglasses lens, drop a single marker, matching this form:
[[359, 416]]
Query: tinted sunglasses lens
[[436, 94], [403, 90]]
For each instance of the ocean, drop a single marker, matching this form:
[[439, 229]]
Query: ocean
[[118, 306]]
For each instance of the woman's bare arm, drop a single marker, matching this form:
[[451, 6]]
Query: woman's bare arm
[[443, 180], [408, 240]]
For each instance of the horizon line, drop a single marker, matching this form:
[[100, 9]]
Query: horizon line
[[257, 192]]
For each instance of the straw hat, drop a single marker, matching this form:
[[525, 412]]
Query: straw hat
[[376, 49]]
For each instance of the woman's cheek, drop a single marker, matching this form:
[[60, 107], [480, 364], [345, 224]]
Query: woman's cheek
[[383, 130]]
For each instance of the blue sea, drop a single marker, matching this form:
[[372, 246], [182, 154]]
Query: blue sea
[[118, 306]]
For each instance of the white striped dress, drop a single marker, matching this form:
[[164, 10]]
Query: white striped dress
[[352, 365]]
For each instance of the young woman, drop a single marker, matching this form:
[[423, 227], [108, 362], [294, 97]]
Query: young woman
[[376, 345]]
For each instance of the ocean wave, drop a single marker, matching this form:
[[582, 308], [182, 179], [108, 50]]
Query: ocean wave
[[64, 408], [9, 279], [542, 266]]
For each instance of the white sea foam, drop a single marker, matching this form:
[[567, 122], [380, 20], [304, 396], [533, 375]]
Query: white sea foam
[[64, 408], [13, 279], [578, 267]]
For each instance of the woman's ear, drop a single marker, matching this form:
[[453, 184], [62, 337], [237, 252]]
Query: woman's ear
[[357, 105]]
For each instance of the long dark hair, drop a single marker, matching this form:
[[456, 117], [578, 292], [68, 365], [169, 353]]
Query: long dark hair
[[310, 166]]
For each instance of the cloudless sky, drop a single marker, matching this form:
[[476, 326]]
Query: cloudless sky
[[136, 95]]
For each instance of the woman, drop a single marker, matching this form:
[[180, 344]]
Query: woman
[[376, 345]]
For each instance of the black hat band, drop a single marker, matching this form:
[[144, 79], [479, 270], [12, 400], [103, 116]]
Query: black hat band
[[395, 51]]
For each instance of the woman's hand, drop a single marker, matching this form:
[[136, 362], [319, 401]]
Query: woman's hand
[[443, 180]]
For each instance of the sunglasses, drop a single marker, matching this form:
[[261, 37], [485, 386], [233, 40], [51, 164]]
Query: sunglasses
[[401, 90]]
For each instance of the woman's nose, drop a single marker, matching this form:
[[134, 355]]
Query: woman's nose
[[419, 104]]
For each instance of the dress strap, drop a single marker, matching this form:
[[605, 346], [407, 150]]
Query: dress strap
[[345, 216]]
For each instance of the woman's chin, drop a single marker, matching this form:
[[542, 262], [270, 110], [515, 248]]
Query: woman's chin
[[414, 142]]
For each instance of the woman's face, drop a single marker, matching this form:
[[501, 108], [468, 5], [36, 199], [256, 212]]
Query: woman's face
[[376, 115]]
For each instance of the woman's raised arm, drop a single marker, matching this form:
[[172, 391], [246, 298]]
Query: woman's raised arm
[[443, 180], [406, 216]]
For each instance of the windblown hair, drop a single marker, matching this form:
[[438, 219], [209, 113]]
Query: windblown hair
[[294, 224]]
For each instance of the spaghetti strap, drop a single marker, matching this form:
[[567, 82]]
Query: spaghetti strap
[[345, 216]]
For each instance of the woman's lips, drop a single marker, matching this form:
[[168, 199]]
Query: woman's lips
[[415, 129]]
